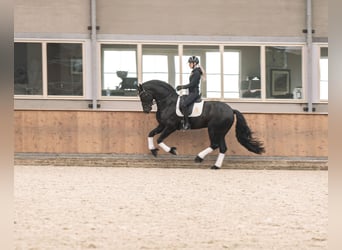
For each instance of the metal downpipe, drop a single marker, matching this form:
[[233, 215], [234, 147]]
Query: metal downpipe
[[93, 53], [309, 53]]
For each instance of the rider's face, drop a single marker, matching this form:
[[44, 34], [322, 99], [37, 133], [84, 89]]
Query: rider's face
[[191, 65]]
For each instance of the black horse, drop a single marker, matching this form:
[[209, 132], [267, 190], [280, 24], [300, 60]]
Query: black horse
[[218, 117]]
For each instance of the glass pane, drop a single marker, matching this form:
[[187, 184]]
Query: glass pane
[[231, 86], [284, 72], [119, 70], [155, 67], [185, 68], [214, 89], [323, 63], [209, 59], [65, 69], [213, 75], [158, 62], [28, 69], [243, 62], [231, 73]]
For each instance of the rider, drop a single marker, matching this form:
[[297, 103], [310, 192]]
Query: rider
[[193, 86]]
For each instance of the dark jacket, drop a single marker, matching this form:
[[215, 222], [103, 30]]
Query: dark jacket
[[194, 81], [193, 86]]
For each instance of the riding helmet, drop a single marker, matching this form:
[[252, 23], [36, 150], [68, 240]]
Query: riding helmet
[[193, 59]]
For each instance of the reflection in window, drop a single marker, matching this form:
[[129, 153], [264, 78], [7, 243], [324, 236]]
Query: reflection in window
[[119, 70], [242, 68], [284, 72], [208, 55], [158, 63], [323, 63], [28, 69], [65, 69]]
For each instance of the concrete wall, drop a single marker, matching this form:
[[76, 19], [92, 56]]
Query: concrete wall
[[320, 17], [126, 133], [49, 16], [177, 17]]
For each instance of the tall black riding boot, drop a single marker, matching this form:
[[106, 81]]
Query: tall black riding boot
[[186, 124]]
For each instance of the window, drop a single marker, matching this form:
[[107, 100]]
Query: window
[[64, 69], [323, 66], [284, 72], [213, 75], [231, 73], [28, 78], [158, 62], [242, 72], [119, 70]]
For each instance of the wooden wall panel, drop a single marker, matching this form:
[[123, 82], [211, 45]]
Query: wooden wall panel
[[126, 133]]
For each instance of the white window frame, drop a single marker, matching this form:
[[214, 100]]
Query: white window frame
[[44, 70], [319, 75]]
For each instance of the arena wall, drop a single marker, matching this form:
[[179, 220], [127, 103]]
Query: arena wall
[[39, 131]]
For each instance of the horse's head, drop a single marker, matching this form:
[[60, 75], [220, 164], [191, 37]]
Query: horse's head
[[146, 99]]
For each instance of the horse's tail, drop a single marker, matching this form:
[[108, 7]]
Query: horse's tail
[[244, 135]]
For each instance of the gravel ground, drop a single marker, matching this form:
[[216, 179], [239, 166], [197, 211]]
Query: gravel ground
[[156, 208]]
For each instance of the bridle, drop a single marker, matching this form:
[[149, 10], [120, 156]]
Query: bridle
[[143, 94]]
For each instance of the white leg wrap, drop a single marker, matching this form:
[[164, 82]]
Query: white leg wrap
[[219, 160], [204, 153], [164, 146], [150, 143]]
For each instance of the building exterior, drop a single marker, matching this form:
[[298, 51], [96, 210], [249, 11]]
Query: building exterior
[[77, 64]]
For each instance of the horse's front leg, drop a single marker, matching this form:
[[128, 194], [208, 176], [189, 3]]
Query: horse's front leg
[[166, 132], [152, 133]]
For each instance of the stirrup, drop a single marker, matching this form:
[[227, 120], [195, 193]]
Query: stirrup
[[186, 126]]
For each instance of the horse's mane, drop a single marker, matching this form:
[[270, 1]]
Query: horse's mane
[[152, 83]]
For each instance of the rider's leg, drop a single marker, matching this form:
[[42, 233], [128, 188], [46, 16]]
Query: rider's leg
[[185, 108], [185, 111]]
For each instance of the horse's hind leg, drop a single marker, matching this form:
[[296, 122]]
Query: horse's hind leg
[[214, 144], [217, 140], [220, 157]]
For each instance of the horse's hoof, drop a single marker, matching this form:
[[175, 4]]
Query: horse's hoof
[[214, 167], [198, 159], [154, 152], [173, 151]]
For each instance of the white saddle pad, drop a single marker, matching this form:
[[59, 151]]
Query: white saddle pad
[[196, 110]]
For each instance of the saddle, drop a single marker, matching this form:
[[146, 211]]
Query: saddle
[[194, 109]]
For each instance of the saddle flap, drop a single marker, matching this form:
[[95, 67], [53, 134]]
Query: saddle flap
[[195, 109]]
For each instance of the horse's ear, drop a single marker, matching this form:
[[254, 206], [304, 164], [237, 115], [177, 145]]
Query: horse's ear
[[140, 87]]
